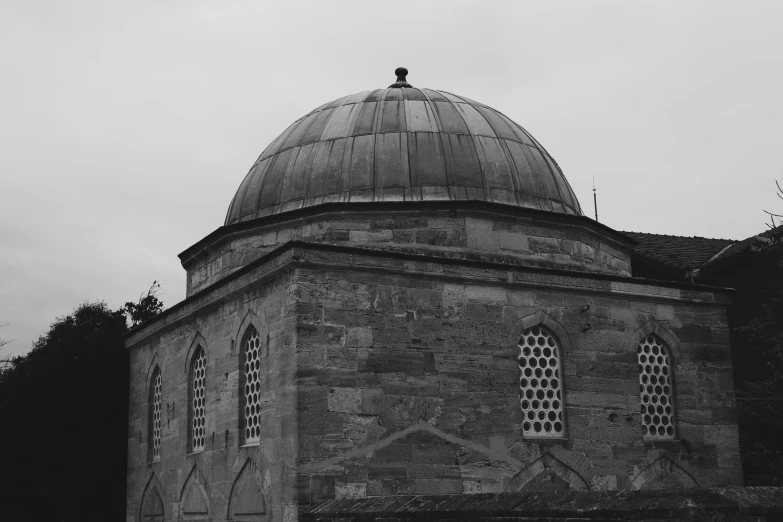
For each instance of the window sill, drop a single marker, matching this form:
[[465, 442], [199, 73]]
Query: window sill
[[193, 453], [545, 439], [662, 443], [250, 444]]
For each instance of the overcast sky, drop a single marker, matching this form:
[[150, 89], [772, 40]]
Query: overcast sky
[[126, 127]]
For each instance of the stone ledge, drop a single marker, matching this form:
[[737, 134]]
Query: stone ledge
[[323, 255], [726, 503], [376, 209]]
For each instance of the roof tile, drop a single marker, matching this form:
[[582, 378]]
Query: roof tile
[[681, 252]]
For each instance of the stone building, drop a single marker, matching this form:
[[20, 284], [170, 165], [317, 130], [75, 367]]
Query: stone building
[[405, 298]]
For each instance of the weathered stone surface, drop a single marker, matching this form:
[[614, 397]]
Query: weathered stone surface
[[394, 371], [728, 503], [218, 331], [475, 369], [346, 400], [502, 240]]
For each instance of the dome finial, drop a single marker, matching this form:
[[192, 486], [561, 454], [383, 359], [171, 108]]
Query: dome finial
[[401, 82]]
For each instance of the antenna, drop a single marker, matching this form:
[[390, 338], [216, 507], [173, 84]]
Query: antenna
[[595, 200]]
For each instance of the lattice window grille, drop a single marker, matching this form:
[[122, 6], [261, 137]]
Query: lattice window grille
[[157, 383], [198, 401], [252, 391], [655, 386], [540, 384]]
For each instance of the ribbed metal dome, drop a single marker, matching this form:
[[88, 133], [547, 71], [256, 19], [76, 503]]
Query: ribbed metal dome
[[402, 144]]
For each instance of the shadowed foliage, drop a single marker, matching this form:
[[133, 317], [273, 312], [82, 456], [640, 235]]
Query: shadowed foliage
[[754, 267], [757, 341], [64, 421]]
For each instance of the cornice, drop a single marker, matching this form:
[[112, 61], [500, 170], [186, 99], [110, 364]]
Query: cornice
[[370, 210], [429, 265]]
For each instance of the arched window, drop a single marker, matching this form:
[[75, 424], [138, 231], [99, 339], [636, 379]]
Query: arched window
[[540, 384], [156, 383], [655, 387], [196, 400], [251, 386]]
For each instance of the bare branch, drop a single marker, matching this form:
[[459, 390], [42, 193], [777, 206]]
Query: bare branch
[[772, 215], [148, 306], [3, 342]]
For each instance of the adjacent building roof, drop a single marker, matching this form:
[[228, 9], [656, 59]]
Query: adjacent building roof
[[686, 253], [738, 247], [693, 253], [402, 144]]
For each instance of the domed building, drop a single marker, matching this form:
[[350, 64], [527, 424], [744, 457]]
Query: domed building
[[406, 299]]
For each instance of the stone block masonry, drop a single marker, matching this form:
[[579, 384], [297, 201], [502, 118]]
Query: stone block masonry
[[222, 476], [390, 372], [428, 402], [729, 504], [470, 232]]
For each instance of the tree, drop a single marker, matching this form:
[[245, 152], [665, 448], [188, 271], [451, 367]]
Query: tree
[[760, 375], [64, 418], [757, 341], [773, 215], [3, 342], [148, 306], [5, 361]]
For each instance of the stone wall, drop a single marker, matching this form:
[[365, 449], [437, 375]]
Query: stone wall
[[520, 241], [396, 373], [726, 504], [183, 485], [408, 384]]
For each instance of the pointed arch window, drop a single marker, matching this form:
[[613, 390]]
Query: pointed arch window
[[197, 401], [251, 386], [540, 384], [655, 387], [155, 391], [152, 508]]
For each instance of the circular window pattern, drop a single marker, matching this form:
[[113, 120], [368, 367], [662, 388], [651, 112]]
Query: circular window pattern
[[655, 389], [540, 387], [252, 391], [198, 402], [157, 383]]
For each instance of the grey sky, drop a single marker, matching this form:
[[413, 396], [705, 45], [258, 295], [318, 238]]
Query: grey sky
[[126, 127]]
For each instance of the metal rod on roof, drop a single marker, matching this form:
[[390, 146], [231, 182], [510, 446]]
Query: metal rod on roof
[[595, 200]]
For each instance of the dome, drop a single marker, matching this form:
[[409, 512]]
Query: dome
[[402, 144]]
